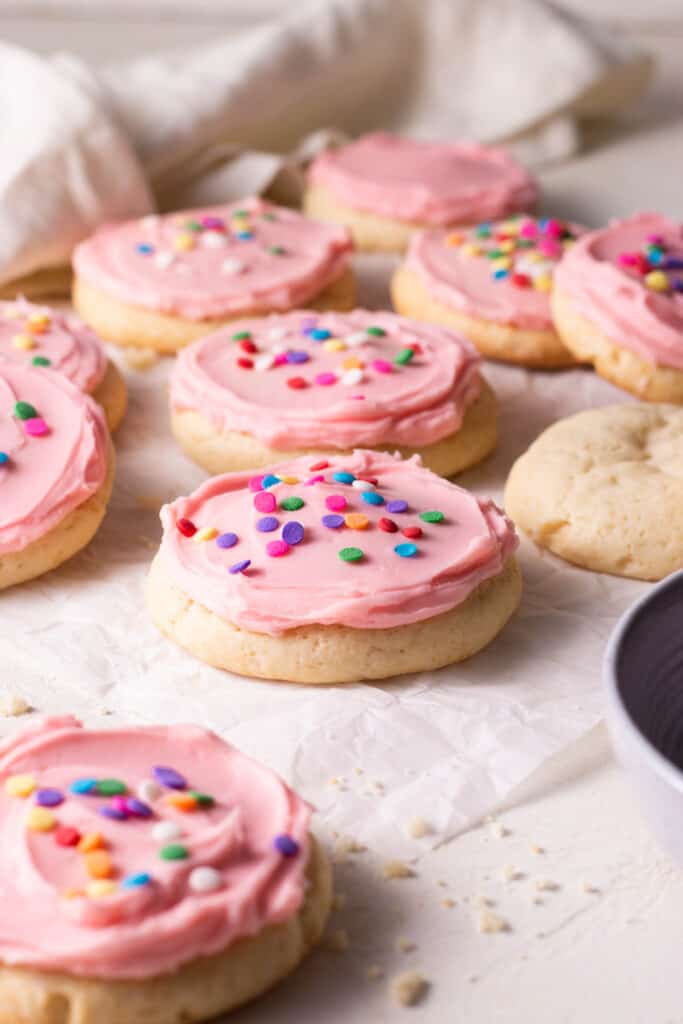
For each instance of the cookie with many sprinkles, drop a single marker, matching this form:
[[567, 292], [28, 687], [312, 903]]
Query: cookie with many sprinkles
[[492, 282], [148, 873], [163, 281], [380, 567], [277, 388]]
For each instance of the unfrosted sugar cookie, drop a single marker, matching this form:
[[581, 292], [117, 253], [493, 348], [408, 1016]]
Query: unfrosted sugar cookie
[[604, 489], [333, 570], [56, 471], [148, 874], [163, 281], [271, 389], [32, 335], [384, 187], [492, 282], [618, 303]]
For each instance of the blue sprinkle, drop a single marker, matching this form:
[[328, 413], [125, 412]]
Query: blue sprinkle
[[135, 881], [239, 566], [500, 275], [4, 458], [672, 263], [244, 236], [543, 223], [82, 786], [655, 255], [406, 550], [398, 505], [227, 540], [269, 480], [372, 497], [286, 845], [267, 524], [145, 248], [333, 521], [343, 478], [320, 334], [293, 533]]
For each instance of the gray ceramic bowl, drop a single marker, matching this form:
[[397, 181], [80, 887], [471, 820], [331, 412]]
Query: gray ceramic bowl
[[643, 675]]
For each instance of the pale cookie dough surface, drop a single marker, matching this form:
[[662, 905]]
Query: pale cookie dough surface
[[371, 232], [112, 394], [335, 654], [604, 490]]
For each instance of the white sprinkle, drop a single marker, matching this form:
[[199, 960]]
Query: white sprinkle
[[205, 880], [150, 221], [352, 377], [264, 362], [163, 260], [213, 240], [355, 339], [232, 266], [148, 790], [277, 334], [166, 831], [13, 705], [363, 485]]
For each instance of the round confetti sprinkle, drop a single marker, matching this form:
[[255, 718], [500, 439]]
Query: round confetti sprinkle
[[227, 540], [4, 458], [25, 411], [110, 787], [372, 497], [292, 504], [297, 383], [335, 502], [91, 841], [36, 427], [269, 480], [356, 521], [293, 533], [186, 527], [657, 280], [67, 836], [174, 851], [113, 813], [256, 483], [241, 336], [136, 881], [388, 525], [277, 250], [138, 808], [291, 480], [206, 533], [326, 379], [20, 785], [333, 522], [168, 777], [323, 464], [182, 802], [404, 356], [320, 334], [98, 864], [413, 532], [205, 879], [381, 366], [342, 477], [245, 363], [397, 505], [166, 831], [432, 517], [81, 787], [375, 332], [48, 797], [40, 819], [406, 550], [264, 501], [149, 791], [267, 524], [277, 548], [296, 356], [239, 566], [100, 888], [352, 377], [286, 845], [144, 248], [248, 346], [362, 485], [41, 361], [350, 554]]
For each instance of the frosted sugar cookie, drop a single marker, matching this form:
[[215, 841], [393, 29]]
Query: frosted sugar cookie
[[618, 303], [333, 570], [161, 282], [271, 389], [32, 335], [493, 283], [604, 489], [384, 187], [56, 471], [148, 874]]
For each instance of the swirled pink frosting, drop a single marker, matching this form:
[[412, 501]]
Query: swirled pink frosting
[[48, 474], [217, 261], [430, 182], [309, 582], [614, 295], [351, 390], [29, 332], [457, 271], [52, 920]]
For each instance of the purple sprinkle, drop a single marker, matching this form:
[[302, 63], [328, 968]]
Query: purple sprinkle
[[397, 506], [169, 777], [267, 524], [293, 533], [49, 797], [297, 356], [308, 323], [239, 566], [286, 845], [113, 813], [119, 803], [332, 522], [676, 283], [227, 540], [138, 808], [672, 263]]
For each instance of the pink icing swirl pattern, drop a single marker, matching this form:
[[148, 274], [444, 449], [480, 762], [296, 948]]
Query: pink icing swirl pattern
[[332, 381], [108, 869]]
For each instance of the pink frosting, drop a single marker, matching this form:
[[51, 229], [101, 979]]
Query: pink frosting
[[458, 273], [430, 182], [195, 265], [50, 920], [55, 461], [615, 295], [414, 403], [307, 582], [29, 332]]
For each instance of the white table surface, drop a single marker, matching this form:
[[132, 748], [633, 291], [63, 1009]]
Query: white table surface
[[569, 956]]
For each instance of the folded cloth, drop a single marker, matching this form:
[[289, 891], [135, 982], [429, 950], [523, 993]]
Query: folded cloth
[[82, 145]]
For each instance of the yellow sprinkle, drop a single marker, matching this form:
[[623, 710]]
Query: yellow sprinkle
[[23, 341], [353, 363], [40, 820], [91, 841], [290, 479], [535, 257], [470, 249], [454, 239], [543, 283], [38, 322], [507, 245], [183, 242], [20, 785], [356, 521], [511, 227], [71, 894], [100, 887], [334, 345], [657, 280], [207, 533], [504, 263]]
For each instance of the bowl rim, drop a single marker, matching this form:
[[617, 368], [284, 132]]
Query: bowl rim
[[616, 709]]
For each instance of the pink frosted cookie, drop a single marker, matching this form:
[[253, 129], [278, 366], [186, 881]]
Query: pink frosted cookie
[[384, 187], [278, 388], [56, 470], [618, 303], [32, 335], [163, 281], [333, 570], [148, 873], [493, 283]]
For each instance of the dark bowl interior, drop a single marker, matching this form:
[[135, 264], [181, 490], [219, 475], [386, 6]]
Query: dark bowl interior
[[649, 669]]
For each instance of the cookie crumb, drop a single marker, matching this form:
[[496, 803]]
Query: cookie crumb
[[448, 903], [472, 978], [536, 849], [418, 827], [489, 923], [140, 358], [344, 846], [404, 945], [13, 704], [587, 887], [337, 941], [546, 885], [498, 831], [508, 873], [397, 869], [408, 989], [443, 884], [374, 971]]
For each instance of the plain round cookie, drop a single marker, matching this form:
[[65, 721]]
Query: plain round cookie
[[112, 395], [604, 490], [619, 365], [62, 542], [220, 452], [124, 324], [335, 654], [542, 349], [198, 991], [370, 231]]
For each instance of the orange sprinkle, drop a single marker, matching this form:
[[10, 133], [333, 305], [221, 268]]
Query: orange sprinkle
[[454, 239], [71, 894], [91, 841], [356, 521], [182, 801], [98, 864], [353, 363]]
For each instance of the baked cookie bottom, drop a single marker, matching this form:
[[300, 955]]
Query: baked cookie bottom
[[616, 364], [112, 394], [604, 490], [63, 541], [335, 654], [197, 991], [505, 342], [129, 325], [224, 452]]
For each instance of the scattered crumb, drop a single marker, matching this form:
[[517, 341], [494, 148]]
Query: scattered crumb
[[508, 873], [339, 901], [140, 358], [337, 941], [13, 704], [442, 883], [484, 901], [535, 848], [489, 923], [546, 885], [472, 978], [498, 831], [344, 846], [339, 782], [407, 989], [397, 869], [374, 971], [538, 901], [418, 827], [404, 945], [587, 887], [448, 903], [359, 771]]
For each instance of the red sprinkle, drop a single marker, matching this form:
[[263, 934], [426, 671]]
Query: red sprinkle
[[388, 525], [412, 532], [186, 527], [67, 836], [297, 383], [245, 363], [323, 464], [247, 345], [521, 280], [417, 348]]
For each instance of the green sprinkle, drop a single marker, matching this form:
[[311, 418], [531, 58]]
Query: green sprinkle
[[432, 517], [203, 799], [277, 250], [483, 231], [174, 851], [404, 356], [240, 213], [25, 411], [241, 336], [111, 787], [350, 554], [268, 216], [525, 243], [292, 504], [193, 225], [495, 254], [41, 361], [375, 332]]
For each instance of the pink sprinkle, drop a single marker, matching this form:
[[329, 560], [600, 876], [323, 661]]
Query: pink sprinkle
[[314, 480], [277, 548], [325, 379], [36, 427], [549, 247], [256, 483], [554, 228], [264, 501], [381, 366], [280, 359], [529, 229], [358, 398], [628, 259], [655, 239], [335, 502], [120, 804]]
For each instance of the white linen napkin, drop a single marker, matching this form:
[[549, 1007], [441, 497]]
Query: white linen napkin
[[80, 146]]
